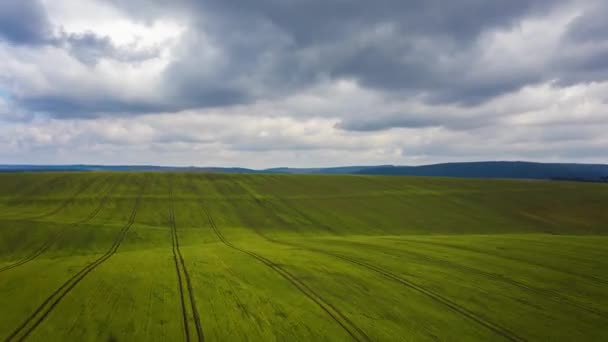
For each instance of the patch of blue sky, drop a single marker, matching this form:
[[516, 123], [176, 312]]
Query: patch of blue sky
[[4, 94]]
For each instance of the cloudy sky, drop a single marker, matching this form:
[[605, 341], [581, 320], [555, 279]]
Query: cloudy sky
[[302, 82]]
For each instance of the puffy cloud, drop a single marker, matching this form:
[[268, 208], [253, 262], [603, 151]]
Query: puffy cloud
[[24, 22], [304, 82]]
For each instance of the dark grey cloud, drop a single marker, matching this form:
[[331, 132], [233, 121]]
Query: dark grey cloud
[[89, 48], [403, 46], [270, 48], [378, 122], [391, 45], [395, 121], [590, 26], [24, 22], [81, 107], [235, 52], [585, 56], [312, 21]]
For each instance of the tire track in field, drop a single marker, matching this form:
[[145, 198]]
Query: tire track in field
[[57, 236], [494, 327], [69, 201], [355, 332], [507, 257], [65, 203], [42, 312], [549, 294], [62, 206], [36, 188], [180, 267]]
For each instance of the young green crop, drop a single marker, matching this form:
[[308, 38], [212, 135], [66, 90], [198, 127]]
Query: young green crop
[[178, 256]]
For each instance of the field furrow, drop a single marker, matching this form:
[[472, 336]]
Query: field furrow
[[181, 269], [113, 256], [40, 314]]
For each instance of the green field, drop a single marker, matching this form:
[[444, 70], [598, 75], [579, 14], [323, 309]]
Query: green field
[[160, 256]]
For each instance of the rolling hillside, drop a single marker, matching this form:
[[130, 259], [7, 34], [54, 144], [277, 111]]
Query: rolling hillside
[[191, 256], [526, 170]]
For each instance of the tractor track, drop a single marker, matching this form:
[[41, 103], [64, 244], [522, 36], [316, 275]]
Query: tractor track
[[421, 289], [180, 266], [497, 329], [355, 332], [65, 203], [443, 300], [34, 190], [30, 257], [42, 312], [547, 293], [54, 211], [53, 239], [506, 257]]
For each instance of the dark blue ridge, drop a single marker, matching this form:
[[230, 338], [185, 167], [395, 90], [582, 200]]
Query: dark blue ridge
[[484, 169]]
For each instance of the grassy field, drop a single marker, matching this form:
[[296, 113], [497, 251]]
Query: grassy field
[[159, 256]]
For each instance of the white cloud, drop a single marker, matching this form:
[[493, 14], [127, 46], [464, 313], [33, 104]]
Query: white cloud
[[526, 126], [103, 19], [253, 88]]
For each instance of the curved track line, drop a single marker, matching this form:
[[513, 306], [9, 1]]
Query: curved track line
[[443, 300], [40, 314], [62, 206], [507, 257], [70, 200], [57, 236], [452, 305], [35, 189], [355, 332], [547, 293], [437, 297], [30, 257], [180, 266]]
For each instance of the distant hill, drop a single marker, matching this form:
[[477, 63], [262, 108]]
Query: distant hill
[[492, 169], [499, 169], [324, 170], [84, 167]]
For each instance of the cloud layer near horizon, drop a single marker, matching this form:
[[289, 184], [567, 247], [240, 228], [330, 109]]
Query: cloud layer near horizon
[[302, 83]]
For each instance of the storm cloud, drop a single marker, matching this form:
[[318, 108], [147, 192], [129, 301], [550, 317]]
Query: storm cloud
[[24, 22], [396, 81]]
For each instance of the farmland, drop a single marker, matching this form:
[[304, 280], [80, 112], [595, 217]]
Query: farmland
[[216, 257]]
